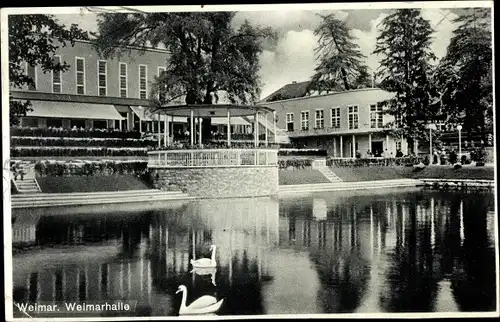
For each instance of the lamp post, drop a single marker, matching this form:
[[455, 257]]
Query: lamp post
[[459, 128], [431, 127]]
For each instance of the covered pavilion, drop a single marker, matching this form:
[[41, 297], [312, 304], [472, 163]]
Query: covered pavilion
[[200, 111]]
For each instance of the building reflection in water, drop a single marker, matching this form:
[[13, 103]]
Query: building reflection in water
[[405, 252]]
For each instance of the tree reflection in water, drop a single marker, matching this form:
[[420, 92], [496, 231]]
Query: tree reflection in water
[[332, 254]]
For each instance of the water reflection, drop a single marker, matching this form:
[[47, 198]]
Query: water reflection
[[393, 252]]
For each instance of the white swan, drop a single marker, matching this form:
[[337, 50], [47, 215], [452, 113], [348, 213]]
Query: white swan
[[205, 271], [206, 262], [204, 305]]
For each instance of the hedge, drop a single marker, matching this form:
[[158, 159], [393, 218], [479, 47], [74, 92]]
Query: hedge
[[90, 168], [365, 162], [26, 141], [46, 132], [295, 163], [76, 152], [302, 152]]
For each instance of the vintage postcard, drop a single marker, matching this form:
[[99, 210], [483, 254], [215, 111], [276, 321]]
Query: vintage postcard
[[249, 161]]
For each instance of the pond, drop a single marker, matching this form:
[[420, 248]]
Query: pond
[[357, 252]]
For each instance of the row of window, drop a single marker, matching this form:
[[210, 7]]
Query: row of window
[[376, 118], [102, 78]]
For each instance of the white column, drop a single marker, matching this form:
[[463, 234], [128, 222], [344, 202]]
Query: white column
[[140, 125], [165, 130], [415, 148], [265, 126], [334, 146], [274, 127], [370, 142], [430, 145], [255, 129], [191, 135], [120, 125], [199, 130], [228, 128], [159, 132], [387, 145], [341, 147], [353, 146]]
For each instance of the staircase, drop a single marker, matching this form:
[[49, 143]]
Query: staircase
[[27, 185], [320, 165], [279, 137]]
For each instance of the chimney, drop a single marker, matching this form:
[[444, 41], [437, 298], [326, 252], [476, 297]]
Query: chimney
[[294, 82]]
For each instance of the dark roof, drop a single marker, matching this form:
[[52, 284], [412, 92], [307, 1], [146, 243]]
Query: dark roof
[[288, 91]]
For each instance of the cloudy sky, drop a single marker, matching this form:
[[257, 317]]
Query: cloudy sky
[[293, 58]]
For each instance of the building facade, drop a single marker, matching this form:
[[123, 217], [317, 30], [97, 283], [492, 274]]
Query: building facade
[[98, 92], [344, 123]]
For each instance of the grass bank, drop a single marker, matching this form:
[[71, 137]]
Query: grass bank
[[350, 174], [305, 176], [55, 184]]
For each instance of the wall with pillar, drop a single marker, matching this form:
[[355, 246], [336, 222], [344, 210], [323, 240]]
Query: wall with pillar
[[219, 182]]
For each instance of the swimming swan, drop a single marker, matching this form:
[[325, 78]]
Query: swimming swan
[[205, 262], [204, 305]]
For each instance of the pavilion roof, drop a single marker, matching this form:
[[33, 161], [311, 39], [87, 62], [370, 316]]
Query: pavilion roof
[[211, 110]]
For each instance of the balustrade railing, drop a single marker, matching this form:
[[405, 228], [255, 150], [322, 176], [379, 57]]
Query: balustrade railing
[[212, 158]]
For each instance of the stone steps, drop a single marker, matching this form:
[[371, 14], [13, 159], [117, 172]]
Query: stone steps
[[320, 165], [27, 186], [93, 198]]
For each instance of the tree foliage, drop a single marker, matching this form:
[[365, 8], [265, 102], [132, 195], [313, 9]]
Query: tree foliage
[[341, 65], [207, 56], [34, 39], [464, 75], [405, 70]]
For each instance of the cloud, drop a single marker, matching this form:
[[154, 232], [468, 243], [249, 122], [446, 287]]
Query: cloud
[[284, 21], [86, 21], [293, 60]]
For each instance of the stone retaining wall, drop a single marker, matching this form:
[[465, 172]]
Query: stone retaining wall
[[219, 182]]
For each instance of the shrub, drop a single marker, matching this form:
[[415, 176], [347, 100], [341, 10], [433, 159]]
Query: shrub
[[76, 152], [81, 142], [457, 166], [90, 168], [95, 133], [302, 152], [365, 162], [295, 163]]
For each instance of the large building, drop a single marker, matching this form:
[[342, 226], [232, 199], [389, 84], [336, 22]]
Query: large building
[[343, 123], [100, 93]]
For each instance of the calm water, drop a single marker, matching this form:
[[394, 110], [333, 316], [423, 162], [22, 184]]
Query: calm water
[[406, 251]]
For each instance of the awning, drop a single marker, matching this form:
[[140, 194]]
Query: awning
[[144, 115], [74, 110]]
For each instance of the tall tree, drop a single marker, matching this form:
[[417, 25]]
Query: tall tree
[[464, 75], [340, 62], [33, 40], [404, 44], [207, 57]]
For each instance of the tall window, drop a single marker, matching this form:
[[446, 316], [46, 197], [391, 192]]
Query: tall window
[[143, 85], [56, 76], [31, 73], [289, 122], [376, 116], [336, 117], [319, 120], [353, 117], [102, 76], [80, 75], [304, 120], [162, 91], [123, 80]]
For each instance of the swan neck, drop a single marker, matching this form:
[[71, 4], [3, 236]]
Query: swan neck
[[184, 298], [213, 254]]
